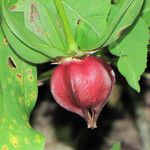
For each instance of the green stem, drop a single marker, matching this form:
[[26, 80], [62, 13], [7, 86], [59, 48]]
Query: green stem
[[72, 46], [45, 75]]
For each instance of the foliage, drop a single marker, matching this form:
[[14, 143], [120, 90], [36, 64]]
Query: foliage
[[32, 33], [18, 92], [146, 12], [116, 147], [132, 52]]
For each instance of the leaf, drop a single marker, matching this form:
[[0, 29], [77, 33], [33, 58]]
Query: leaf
[[121, 17], [127, 19], [92, 22], [21, 49], [146, 12], [1, 102], [40, 21], [18, 93], [19, 6], [133, 53], [87, 19], [16, 24], [116, 147]]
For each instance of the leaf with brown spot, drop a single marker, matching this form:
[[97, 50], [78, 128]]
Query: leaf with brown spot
[[43, 22], [21, 49], [16, 101], [16, 24]]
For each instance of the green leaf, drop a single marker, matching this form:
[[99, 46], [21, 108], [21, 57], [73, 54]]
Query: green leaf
[[116, 147], [121, 17], [18, 94], [19, 6], [1, 102], [146, 12], [87, 19], [40, 21], [132, 50], [16, 24], [87, 32], [126, 20], [21, 49]]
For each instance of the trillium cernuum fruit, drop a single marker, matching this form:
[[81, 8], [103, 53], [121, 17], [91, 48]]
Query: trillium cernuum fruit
[[82, 86]]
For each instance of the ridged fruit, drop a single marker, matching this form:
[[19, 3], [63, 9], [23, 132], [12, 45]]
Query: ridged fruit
[[82, 86]]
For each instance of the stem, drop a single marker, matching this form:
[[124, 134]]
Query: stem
[[45, 75], [72, 46]]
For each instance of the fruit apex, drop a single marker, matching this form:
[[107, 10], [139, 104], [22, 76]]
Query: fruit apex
[[83, 86]]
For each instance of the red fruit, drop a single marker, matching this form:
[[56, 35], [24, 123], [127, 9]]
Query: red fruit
[[82, 86]]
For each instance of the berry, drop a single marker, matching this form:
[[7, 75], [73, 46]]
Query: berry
[[82, 86]]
